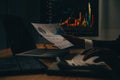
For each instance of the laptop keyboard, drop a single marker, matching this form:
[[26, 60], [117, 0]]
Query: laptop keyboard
[[8, 64], [29, 64], [20, 65]]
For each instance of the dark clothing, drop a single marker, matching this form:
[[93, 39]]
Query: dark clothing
[[112, 45], [108, 51]]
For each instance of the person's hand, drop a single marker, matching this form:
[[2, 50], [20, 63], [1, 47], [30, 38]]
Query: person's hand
[[75, 40], [103, 53]]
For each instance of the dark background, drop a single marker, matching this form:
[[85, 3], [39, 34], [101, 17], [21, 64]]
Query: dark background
[[30, 11], [16, 30]]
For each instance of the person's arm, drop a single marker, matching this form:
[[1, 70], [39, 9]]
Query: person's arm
[[87, 43], [104, 44], [75, 40]]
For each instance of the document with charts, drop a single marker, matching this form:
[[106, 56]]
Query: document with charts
[[52, 32]]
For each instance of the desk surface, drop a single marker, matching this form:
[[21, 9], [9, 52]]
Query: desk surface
[[40, 76], [44, 77]]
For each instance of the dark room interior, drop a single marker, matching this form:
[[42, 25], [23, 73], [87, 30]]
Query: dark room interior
[[17, 35]]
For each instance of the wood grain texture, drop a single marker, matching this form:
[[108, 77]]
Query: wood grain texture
[[45, 77]]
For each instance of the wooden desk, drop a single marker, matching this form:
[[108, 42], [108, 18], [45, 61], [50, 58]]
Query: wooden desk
[[44, 77], [4, 53]]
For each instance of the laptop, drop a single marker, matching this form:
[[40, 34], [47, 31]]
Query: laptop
[[44, 53], [20, 65]]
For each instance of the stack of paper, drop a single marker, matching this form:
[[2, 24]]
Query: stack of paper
[[52, 32]]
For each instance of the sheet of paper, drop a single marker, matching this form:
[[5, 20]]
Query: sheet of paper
[[51, 32]]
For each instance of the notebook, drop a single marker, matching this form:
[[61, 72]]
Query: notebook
[[86, 72], [74, 65]]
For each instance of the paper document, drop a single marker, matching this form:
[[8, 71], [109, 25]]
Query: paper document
[[52, 32]]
